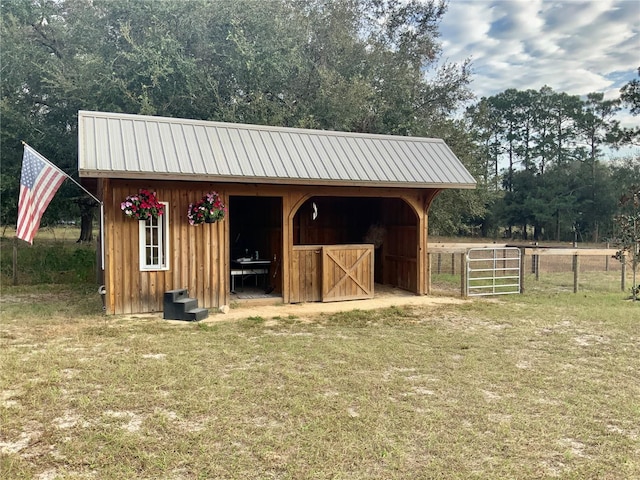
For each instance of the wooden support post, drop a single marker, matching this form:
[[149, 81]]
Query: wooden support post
[[463, 275], [624, 272], [523, 262], [606, 260], [453, 264], [576, 273], [439, 263], [537, 266]]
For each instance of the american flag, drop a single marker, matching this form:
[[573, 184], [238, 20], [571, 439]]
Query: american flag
[[39, 182]]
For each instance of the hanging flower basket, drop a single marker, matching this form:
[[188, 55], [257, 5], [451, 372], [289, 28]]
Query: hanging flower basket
[[209, 209], [142, 206]]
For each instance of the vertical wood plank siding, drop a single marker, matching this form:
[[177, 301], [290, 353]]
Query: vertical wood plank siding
[[195, 252], [306, 274], [401, 247], [199, 255]]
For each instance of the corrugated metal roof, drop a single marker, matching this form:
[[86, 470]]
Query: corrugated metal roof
[[119, 145]]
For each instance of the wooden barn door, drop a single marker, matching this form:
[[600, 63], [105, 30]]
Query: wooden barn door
[[347, 272]]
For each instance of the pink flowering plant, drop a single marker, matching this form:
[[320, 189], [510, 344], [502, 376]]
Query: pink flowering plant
[[142, 206], [209, 209]]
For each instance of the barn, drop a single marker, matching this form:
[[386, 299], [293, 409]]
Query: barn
[[311, 215]]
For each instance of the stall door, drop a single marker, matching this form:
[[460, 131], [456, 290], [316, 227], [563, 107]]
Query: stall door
[[347, 272]]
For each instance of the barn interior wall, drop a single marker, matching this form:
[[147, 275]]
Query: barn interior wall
[[399, 253], [351, 220], [340, 220]]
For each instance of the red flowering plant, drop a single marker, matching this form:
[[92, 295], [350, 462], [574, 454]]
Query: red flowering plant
[[142, 206], [208, 209]]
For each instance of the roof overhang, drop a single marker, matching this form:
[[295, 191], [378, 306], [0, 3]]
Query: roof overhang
[[266, 181]]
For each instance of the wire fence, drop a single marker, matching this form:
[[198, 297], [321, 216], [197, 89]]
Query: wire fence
[[562, 269]]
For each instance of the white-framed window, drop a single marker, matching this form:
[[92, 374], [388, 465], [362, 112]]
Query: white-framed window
[[154, 242]]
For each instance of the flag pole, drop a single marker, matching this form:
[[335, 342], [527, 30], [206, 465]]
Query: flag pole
[[101, 203], [68, 176]]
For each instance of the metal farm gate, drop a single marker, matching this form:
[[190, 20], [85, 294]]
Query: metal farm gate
[[493, 271]]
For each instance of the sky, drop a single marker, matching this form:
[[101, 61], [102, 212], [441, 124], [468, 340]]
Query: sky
[[572, 46]]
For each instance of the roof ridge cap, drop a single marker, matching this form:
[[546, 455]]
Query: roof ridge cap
[[253, 126]]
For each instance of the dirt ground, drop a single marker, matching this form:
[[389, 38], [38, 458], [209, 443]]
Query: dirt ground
[[384, 297]]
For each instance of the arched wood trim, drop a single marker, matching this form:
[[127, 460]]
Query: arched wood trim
[[418, 203], [299, 202], [291, 203], [430, 197], [415, 204]]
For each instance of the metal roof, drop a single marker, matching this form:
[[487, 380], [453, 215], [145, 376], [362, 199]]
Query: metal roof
[[117, 145]]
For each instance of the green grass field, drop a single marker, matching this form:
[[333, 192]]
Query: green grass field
[[540, 385], [54, 257]]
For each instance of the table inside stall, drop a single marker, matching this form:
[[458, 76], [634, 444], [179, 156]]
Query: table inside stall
[[248, 267]]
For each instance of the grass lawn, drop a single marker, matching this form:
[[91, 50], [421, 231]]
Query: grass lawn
[[540, 385]]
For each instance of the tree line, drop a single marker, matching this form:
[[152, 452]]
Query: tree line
[[371, 66], [544, 154], [356, 65]]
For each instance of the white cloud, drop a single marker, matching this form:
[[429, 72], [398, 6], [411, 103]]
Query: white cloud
[[573, 46]]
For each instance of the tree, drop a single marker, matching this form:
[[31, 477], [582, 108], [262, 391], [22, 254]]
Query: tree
[[625, 172], [628, 233], [506, 103], [630, 95], [26, 107], [598, 127], [519, 203], [559, 139], [564, 110], [483, 122], [456, 212], [630, 98], [359, 65]]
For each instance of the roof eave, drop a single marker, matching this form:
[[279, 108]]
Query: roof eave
[[265, 180]]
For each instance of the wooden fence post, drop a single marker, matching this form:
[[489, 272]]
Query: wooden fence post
[[428, 286], [624, 272], [439, 263], [606, 260], [576, 272]]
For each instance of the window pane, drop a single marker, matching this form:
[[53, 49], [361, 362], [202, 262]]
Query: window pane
[[153, 242]]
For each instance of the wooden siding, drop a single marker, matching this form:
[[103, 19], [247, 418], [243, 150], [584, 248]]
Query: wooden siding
[[306, 273], [200, 255], [197, 254]]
